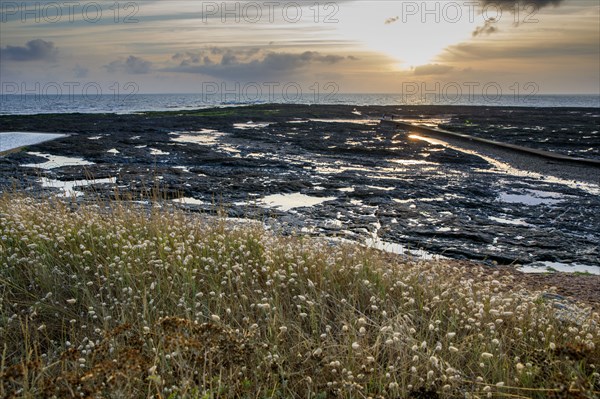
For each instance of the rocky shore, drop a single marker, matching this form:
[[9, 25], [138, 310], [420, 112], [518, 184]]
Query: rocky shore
[[363, 180]]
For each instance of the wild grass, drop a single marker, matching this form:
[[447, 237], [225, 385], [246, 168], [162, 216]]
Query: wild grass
[[119, 300]]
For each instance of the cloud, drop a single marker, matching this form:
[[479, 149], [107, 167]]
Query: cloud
[[520, 51], [511, 3], [80, 72], [391, 20], [132, 65], [432, 69], [243, 64], [204, 56], [34, 50], [487, 29]]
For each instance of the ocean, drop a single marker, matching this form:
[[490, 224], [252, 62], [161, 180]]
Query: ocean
[[127, 104]]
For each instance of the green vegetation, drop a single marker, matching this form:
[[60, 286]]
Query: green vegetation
[[584, 273], [218, 112], [123, 301]]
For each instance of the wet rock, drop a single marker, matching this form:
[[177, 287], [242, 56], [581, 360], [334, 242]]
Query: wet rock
[[446, 206]]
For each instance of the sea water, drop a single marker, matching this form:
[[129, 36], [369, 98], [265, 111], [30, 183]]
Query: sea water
[[126, 104]]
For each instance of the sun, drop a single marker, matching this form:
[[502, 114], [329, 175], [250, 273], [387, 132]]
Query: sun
[[412, 41]]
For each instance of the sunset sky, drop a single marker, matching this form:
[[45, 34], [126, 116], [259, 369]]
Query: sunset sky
[[366, 46]]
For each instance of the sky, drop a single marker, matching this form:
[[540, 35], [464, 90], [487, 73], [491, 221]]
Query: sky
[[345, 46]]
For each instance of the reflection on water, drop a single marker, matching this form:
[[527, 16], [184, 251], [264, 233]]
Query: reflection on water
[[251, 125], [530, 197], [189, 201], [204, 137], [12, 140], [68, 188], [545, 267], [286, 202], [56, 161]]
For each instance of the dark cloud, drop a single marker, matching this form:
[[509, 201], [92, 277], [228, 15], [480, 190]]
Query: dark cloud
[[432, 69], [34, 50], [241, 64], [214, 55], [132, 65], [487, 29], [187, 58]]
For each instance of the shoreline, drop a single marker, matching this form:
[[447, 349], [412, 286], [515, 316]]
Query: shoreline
[[368, 99]]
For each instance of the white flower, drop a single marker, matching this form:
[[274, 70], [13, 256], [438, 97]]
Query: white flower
[[487, 355], [215, 318], [520, 367], [72, 301], [355, 345]]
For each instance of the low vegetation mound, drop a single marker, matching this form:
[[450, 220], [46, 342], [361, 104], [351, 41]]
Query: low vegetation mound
[[123, 300]]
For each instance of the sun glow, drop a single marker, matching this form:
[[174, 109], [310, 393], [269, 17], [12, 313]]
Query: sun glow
[[411, 40]]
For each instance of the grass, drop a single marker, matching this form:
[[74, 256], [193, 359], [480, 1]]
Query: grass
[[119, 300], [584, 274]]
